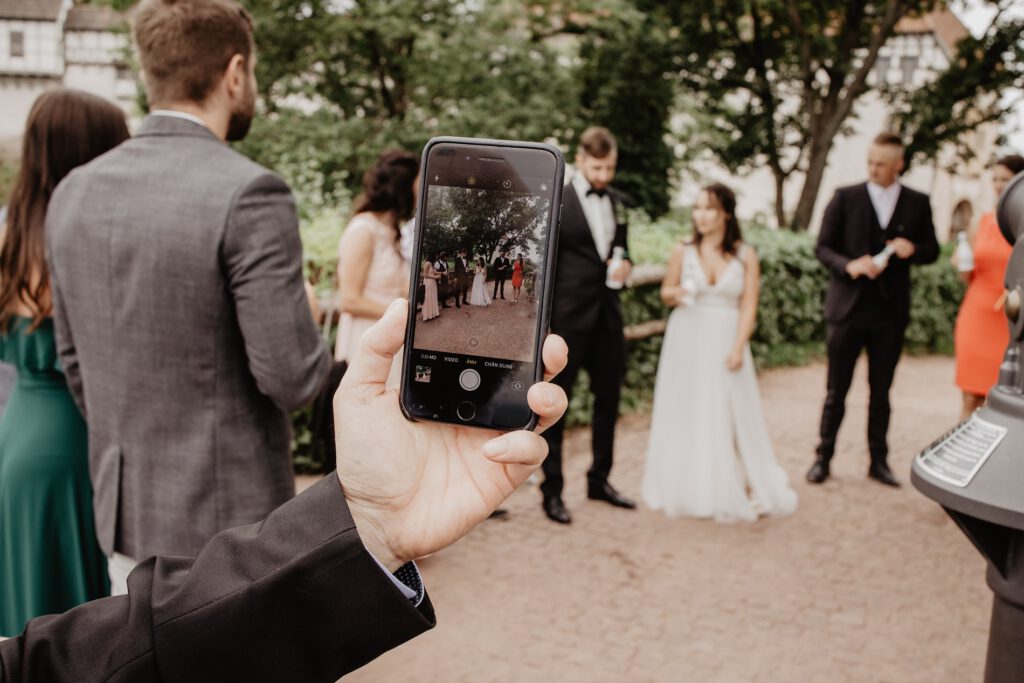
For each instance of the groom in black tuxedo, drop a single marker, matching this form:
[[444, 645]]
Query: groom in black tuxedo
[[868, 300], [587, 315], [502, 265]]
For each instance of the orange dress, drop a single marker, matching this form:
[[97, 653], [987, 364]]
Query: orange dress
[[517, 275], [981, 333]]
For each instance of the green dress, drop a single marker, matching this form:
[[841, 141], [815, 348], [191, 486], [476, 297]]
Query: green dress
[[49, 558]]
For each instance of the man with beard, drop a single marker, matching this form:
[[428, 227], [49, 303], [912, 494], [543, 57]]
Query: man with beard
[[182, 322]]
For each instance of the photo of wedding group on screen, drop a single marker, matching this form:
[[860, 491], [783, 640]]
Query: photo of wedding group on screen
[[481, 265]]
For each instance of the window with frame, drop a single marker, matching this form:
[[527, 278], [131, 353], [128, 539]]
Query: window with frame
[[17, 43]]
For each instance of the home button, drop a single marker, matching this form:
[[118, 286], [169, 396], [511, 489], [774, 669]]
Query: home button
[[466, 411]]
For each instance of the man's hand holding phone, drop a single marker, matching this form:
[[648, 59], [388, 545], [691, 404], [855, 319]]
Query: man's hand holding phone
[[414, 488]]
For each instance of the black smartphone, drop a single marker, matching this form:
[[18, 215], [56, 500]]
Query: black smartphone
[[482, 278]]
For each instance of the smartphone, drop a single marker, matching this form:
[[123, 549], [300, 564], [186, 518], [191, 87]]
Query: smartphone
[[482, 278]]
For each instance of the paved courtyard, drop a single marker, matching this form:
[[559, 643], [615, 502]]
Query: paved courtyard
[[863, 583], [501, 330]]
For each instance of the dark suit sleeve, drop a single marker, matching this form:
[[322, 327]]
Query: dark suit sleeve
[[262, 256], [830, 250], [926, 246], [293, 598], [66, 343]]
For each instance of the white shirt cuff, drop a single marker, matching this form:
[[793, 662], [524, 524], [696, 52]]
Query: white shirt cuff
[[409, 573]]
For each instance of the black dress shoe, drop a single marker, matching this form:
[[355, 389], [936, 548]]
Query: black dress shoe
[[881, 473], [605, 492], [554, 508], [818, 472], [498, 514]]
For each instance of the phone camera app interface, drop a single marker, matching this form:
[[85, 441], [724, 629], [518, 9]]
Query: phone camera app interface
[[479, 290]]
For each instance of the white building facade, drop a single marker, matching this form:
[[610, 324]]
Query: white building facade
[[50, 43]]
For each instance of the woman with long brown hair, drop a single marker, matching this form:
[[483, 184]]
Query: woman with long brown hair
[[49, 558], [709, 454], [371, 269]]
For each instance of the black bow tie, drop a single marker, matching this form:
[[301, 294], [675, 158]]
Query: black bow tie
[[599, 193]]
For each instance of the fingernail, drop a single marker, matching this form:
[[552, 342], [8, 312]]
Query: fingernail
[[496, 447], [549, 395]]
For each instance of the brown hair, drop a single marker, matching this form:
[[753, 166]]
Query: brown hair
[[185, 45], [1013, 162], [888, 138], [66, 128], [388, 186], [726, 199], [598, 142]]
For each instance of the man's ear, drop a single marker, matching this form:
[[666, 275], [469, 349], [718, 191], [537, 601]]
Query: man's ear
[[236, 76]]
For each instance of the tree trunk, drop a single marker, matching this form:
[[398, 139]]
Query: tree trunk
[[780, 199], [812, 183]]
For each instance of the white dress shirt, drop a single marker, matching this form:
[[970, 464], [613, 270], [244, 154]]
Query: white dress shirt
[[884, 200], [599, 213]]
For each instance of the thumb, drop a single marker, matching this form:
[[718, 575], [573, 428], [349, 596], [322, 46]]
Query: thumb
[[376, 349]]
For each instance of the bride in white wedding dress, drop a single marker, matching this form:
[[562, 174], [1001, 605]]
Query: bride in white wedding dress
[[479, 295], [709, 454]]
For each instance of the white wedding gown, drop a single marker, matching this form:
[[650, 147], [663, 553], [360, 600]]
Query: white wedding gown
[[479, 295], [709, 454]]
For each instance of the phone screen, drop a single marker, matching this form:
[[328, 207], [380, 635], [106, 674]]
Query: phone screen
[[484, 240]]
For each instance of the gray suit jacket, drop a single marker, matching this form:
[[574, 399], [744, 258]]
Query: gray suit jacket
[[184, 332]]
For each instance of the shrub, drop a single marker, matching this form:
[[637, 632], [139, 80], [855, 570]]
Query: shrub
[[790, 326]]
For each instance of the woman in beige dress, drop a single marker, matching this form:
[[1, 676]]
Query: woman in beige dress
[[371, 269], [430, 278]]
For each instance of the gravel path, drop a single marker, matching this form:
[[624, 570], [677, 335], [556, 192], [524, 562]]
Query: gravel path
[[863, 583], [501, 330]]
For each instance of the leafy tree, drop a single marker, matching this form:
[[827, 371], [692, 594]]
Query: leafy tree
[[773, 82], [483, 222], [969, 94], [343, 81], [626, 69]]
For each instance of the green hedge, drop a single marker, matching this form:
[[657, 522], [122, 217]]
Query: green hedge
[[790, 328]]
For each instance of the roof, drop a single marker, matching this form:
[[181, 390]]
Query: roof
[[41, 10], [945, 25], [93, 18]]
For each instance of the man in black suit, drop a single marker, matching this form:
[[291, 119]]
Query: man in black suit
[[462, 278], [326, 582], [444, 283], [868, 300], [502, 265], [586, 313]]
